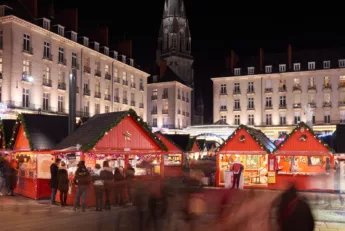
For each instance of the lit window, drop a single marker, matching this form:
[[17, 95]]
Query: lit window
[[326, 64], [250, 70], [311, 65], [237, 71], [341, 62], [282, 67], [296, 66], [268, 69]]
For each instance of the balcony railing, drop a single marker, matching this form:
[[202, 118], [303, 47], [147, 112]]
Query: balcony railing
[[252, 107], [183, 98], [164, 96], [86, 91], [47, 82], [98, 73], [116, 99], [341, 85], [141, 88], [87, 69], [28, 50], [125, 101], [125, 82], [183, 113], [117, 80], [282, 106], [327, 104], [327, 86], [296, 88], [178, 96], [222, 108], [268, 90], [62, 86], [312, 87], [75, 65], [296, 105], [98, 95], [154, 97], [107, 97], [178, 112], [62, 61], [154, 111], [312, 104], [282, 89], [107, 76], [165, 111], [237, 108], [341, 103], [26, 77], [187, 100], [187, 114], [268, 107], [250, 90], [141, 105], [132, 85], [133, 103], [236, 91], [48, 57], [223, 93]]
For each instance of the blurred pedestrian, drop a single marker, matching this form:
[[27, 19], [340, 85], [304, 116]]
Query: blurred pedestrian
[[54, 168], [130, 173], [2, 174], [237, 169], [98, 186], [294, 213], [11, 175], [118, 188], [81, 180], [63, 183], [337, 179], [107, 178]]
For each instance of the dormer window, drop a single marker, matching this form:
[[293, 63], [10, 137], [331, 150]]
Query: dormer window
[[46, 24], [268, 69], [311, 65], [73, 36], [296, 66], [86, 42], [131, 62], [155, 78], [96, 46], [61, 30], [341, 62], [116, 55], [124, 58], [282, 67], [250, 70], [237, 71], [106, 51], [326, 64]]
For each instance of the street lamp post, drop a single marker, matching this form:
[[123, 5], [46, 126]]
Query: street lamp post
[[72, 101]]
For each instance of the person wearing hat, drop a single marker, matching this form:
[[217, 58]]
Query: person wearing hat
[[81, 180]]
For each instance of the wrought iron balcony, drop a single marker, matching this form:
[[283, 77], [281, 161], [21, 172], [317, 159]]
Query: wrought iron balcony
[[28, 50], [62, 61], [107, 97], [154, 97], [178, 96], [164, 96], [312, 87], [282, 89], [223, 108], [125, 101], [282, 106], [132, 85], [327, 104], [47, 82], [141, 88], [116, 99], [98, 73], [154, 111], [125, 82], [250, 90], [297, 87], [141, 105], [62, 86], [165, 111], [86, 91], [296, 105], [237, 108], [87, 69], [268, 90], [327, 86], [236, 91], [47, 56], [223, 93], [98, 95], [133, 103], [107, 76]]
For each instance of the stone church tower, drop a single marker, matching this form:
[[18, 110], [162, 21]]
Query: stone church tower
[[174, 46]]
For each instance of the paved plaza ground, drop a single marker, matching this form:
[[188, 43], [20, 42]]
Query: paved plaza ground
[[18, 213]]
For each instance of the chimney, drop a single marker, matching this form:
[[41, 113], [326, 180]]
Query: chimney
[[125, 47], [261, 60], [69, 19], [290, 57], [100, 34], [162, 67], [31, 7]]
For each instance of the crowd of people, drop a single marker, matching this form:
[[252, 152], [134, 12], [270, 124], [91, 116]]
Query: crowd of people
[[106, 182]]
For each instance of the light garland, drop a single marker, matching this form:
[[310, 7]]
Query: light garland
[[104, 156]]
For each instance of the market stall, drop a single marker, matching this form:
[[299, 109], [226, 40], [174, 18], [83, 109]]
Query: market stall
[[122, 138], [304, 159], [34, 136], [252, 148]]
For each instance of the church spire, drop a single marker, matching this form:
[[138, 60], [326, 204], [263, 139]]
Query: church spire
[[174, 8]]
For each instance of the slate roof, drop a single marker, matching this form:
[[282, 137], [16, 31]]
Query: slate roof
[[220, 122], [181, 141], [169, 76], [44, 131], [7, 130], [90, 130]]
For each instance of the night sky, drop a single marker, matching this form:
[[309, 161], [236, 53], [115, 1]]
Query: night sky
[[216, 28]]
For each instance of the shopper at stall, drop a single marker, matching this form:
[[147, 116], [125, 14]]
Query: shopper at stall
[[11, 178], [118, 187], [2, 174], [54, 168], [107, 177], [63, 183], [98, 186], [130, 172], [237, 168], [81, 180]]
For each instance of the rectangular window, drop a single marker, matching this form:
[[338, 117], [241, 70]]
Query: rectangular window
[[124, 78], [27, 45], [116, 74], [237, 120], [237, 71], [342, 117], [237, 88], [282, 101], [251, 119], [1, 39], [132, 81], [223, 118], [154, 122], [250, 87], [327, 118], [74, 60], [282, 67], [296, 66], [326, 64], [341, 62], [26, 67], [250, 70], [282, 85], [26, 99], [45, 101], [282, 119], [97, 108], [73, 36], [297, 117], [311, 65], [342, 81], [61, 56], [268, 102], [61, 30], [223, 89], [60, 103], [268, 119], [237, 104], [141, 85], [86, 108], [311, 82], [250, 103], [46, 50], [106, 109], [268, 69], [46, 24], [223, 105]]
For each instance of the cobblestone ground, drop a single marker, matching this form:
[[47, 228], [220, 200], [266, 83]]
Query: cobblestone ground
[[252, 213]]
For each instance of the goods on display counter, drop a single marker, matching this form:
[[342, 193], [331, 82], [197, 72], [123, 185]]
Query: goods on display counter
[[305, 159], [33, 138], [121, 138], [250, 147]]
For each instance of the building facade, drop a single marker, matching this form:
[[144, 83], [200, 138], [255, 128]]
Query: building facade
[[275, 92], [170, 104], [37, 60]]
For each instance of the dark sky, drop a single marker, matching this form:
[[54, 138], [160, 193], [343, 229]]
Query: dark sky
[[216, 27]]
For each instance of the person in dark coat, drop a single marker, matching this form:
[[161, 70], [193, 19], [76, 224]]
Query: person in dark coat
[[337, 179], [107, 177], [294, 213], [54, 168], [11, 178], [82, 180], [2, 174], [98, 186], [130, 173], [118, 188], [63, 183]]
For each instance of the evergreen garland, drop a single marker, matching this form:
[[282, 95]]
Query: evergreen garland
[[302, 124], [20, 120], [139, 120], [10, 144], [169, 140]]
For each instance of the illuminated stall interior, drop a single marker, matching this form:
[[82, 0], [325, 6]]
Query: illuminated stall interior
[[249, 146], [175, 156], [34, 136]]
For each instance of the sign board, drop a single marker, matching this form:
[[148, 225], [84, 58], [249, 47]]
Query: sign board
[[271, 178], [43, 165]]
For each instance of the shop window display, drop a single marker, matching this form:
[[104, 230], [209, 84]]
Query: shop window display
[[173, 160], [302, 164], [145, 165]]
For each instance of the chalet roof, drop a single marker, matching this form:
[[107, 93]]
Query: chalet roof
[[93, 130]]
